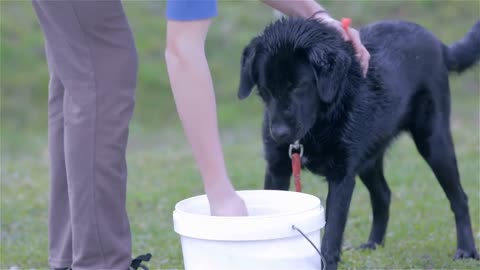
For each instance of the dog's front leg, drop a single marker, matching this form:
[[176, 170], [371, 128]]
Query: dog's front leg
[[338, 202], [278, 172], [277, 180]]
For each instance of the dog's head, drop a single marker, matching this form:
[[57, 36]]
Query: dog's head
[[299, 67]]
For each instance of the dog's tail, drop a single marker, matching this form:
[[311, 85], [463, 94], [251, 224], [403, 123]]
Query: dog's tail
[[465, 52]]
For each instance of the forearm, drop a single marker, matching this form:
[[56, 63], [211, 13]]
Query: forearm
[[296, 8], [194, 96]]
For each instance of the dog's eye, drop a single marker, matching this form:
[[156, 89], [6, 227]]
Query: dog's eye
[[298, 90]]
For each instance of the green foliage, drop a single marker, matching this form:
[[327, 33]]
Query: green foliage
[[421, 231]]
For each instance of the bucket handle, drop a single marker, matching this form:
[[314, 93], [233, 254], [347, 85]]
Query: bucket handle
[[313, 245]]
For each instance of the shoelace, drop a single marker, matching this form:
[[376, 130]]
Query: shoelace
[[137, 262]]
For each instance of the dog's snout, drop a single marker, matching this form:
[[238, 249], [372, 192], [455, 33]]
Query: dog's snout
[[280, 132]]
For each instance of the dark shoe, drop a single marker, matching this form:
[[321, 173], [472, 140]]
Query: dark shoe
[[137, 262]]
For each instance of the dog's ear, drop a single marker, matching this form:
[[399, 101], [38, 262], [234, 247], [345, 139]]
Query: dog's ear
[[330, 71], [248, 71]]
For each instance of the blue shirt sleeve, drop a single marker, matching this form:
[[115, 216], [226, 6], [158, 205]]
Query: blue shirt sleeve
[[188, 10]]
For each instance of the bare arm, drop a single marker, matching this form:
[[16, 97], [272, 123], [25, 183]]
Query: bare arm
[[193, 92], [307, 8]]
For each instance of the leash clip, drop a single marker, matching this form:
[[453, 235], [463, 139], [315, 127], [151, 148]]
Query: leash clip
[[296, 163], [295, 146]]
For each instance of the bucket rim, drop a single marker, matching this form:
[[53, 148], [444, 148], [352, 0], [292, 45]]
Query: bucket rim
[[245, 192], [250, 228]]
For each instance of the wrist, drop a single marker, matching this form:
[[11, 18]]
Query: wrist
[[217, 189]]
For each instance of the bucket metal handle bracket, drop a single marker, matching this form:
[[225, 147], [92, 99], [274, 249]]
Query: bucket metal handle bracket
[[313, 245]]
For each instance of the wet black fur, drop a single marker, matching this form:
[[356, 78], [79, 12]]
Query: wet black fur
[[313, 91]]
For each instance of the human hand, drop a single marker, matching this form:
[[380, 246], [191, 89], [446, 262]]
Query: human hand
[[229, 205], [349, 34]]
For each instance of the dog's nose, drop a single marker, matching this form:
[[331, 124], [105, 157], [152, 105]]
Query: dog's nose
[[280, 132]]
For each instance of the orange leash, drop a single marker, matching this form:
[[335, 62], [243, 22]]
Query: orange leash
[[297, 168], [346, 22]]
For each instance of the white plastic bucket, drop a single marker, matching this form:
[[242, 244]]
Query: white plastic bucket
[[261, 241]]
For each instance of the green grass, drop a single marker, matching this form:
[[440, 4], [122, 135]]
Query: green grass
[[421, 232]]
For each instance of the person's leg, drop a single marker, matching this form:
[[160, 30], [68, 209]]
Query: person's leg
[[94, 52], [59, 226]]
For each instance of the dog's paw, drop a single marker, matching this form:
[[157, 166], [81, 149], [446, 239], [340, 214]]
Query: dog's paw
[[464, 254], [368, 246]]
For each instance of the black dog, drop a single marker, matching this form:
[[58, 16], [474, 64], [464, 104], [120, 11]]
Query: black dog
[[314, 92]]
